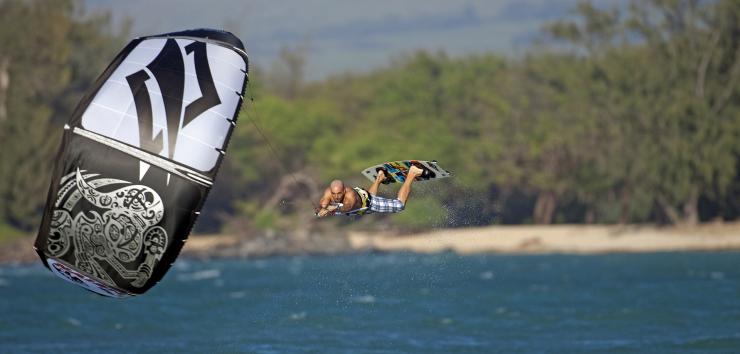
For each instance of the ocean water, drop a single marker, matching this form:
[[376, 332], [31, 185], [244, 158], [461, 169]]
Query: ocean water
[[391, 303]]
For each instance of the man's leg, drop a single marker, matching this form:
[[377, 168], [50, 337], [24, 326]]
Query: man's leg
[[403, 193]]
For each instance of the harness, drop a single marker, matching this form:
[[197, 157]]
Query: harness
[[365, 199]]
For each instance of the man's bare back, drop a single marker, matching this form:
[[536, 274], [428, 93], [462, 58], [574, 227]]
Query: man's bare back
[[349, 201]]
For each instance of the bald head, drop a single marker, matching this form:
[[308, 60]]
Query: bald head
[[337, 191], [336, 186]]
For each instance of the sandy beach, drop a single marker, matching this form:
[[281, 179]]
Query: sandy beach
[[524, 239], [519, 239], [559, 239]]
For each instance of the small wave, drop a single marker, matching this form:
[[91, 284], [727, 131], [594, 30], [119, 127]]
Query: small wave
[[364, 299], [73, 321], [295, 269], [19, 271], [712, 275], [201, 275], [182, 265], [539, 288], [237, 294], [488, 275], [709, 342], [298, 316]]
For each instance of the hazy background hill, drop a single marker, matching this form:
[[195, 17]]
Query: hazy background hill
[[355, 36]]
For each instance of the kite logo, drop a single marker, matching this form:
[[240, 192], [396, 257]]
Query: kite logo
[[168, 69]]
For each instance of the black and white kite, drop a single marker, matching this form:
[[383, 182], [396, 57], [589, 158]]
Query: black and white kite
[[137, 160]]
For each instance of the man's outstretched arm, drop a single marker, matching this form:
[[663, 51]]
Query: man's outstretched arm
[[378, 180], [324, 204], [405, 191], [325, 199]]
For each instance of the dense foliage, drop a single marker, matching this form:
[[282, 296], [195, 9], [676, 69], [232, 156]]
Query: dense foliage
[[627, 115], [49, 55]]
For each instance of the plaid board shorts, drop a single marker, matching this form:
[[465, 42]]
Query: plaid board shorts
[[385, 205]]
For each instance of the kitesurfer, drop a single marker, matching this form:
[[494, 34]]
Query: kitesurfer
[[357, 201]]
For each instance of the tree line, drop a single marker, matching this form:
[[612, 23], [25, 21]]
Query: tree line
[[619, 115], [50, 53]]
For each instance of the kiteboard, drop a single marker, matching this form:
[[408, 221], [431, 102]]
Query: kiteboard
[[396, 171]]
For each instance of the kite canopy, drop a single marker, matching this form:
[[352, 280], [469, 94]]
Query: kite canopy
[[138, 157]]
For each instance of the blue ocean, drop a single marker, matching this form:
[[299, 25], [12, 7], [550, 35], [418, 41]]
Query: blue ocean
[[391, 303]]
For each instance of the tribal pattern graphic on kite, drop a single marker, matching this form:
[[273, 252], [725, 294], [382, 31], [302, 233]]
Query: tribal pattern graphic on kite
[[118, 227]]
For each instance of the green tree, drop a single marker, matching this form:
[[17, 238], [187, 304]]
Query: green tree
[[670, 70], [45, 68]]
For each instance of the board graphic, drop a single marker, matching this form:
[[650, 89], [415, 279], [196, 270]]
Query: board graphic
[[396, 171]]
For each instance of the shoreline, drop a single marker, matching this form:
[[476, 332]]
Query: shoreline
[[570, 239], [514, 239]]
